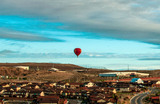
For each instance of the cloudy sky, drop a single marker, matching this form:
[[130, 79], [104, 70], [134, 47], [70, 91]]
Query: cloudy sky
[[111, 33]]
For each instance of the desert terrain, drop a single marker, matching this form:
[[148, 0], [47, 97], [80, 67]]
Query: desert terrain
[[67, 72]]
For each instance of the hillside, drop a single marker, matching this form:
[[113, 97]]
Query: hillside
[[68, 72], [11, 71], [44, 66]]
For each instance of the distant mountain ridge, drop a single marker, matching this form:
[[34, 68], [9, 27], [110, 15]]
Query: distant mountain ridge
[[44, 65]]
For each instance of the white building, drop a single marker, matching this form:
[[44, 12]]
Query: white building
[[125, 74], [89, 84], [23, 67], [158, 82], [53, 69]]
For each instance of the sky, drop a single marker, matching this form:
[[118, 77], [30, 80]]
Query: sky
[[113, 34]]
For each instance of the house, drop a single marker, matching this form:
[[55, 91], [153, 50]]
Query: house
[[155, 99], [75, 85], [101, 101], [61, 85], [21, 84], [7, 93], [65, 93], [51, 100], [156, 85], [5, 85], [137, 80], [122, 87], [102, 84], [52, 84], [158, 82], [33, 86], [101, 98], [20, 94], [114, 91], [34, 93], [89, 84], [1, 102]]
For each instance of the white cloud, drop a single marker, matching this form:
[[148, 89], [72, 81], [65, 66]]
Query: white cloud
[[147, 56]]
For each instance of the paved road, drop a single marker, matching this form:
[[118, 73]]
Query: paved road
[[138, 98], [16, 102]]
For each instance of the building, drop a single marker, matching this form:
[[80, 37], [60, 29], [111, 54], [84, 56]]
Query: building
[[53, 69], [23, 67], [155, 99], [126, 74], [136, 80], [51, 100], [89, 84], [107, 75], [158, 82]]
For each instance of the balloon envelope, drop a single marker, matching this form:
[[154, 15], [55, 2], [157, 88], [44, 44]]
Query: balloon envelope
[[77, 51]]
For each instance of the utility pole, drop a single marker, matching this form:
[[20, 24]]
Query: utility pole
[[128, 67]]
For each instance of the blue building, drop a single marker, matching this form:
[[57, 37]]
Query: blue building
[[136, 80], [107, 75]]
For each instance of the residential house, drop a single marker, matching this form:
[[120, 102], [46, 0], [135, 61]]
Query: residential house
[[158, 82], [6, 85], [89, 84], [156, 85], [51, 100], [20, 94], [7, 93], [122, 87], [101, 98], [155, 99], [52, 84], [75, 85], [62, 85], [34, 93]]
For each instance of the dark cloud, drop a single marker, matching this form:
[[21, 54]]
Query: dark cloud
[[122, 19], [24, 36], [5, 52]]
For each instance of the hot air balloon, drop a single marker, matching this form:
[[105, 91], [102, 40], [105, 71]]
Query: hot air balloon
[[77, 51]]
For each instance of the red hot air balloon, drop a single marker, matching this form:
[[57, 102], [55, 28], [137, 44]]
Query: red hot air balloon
[[77, 51]]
